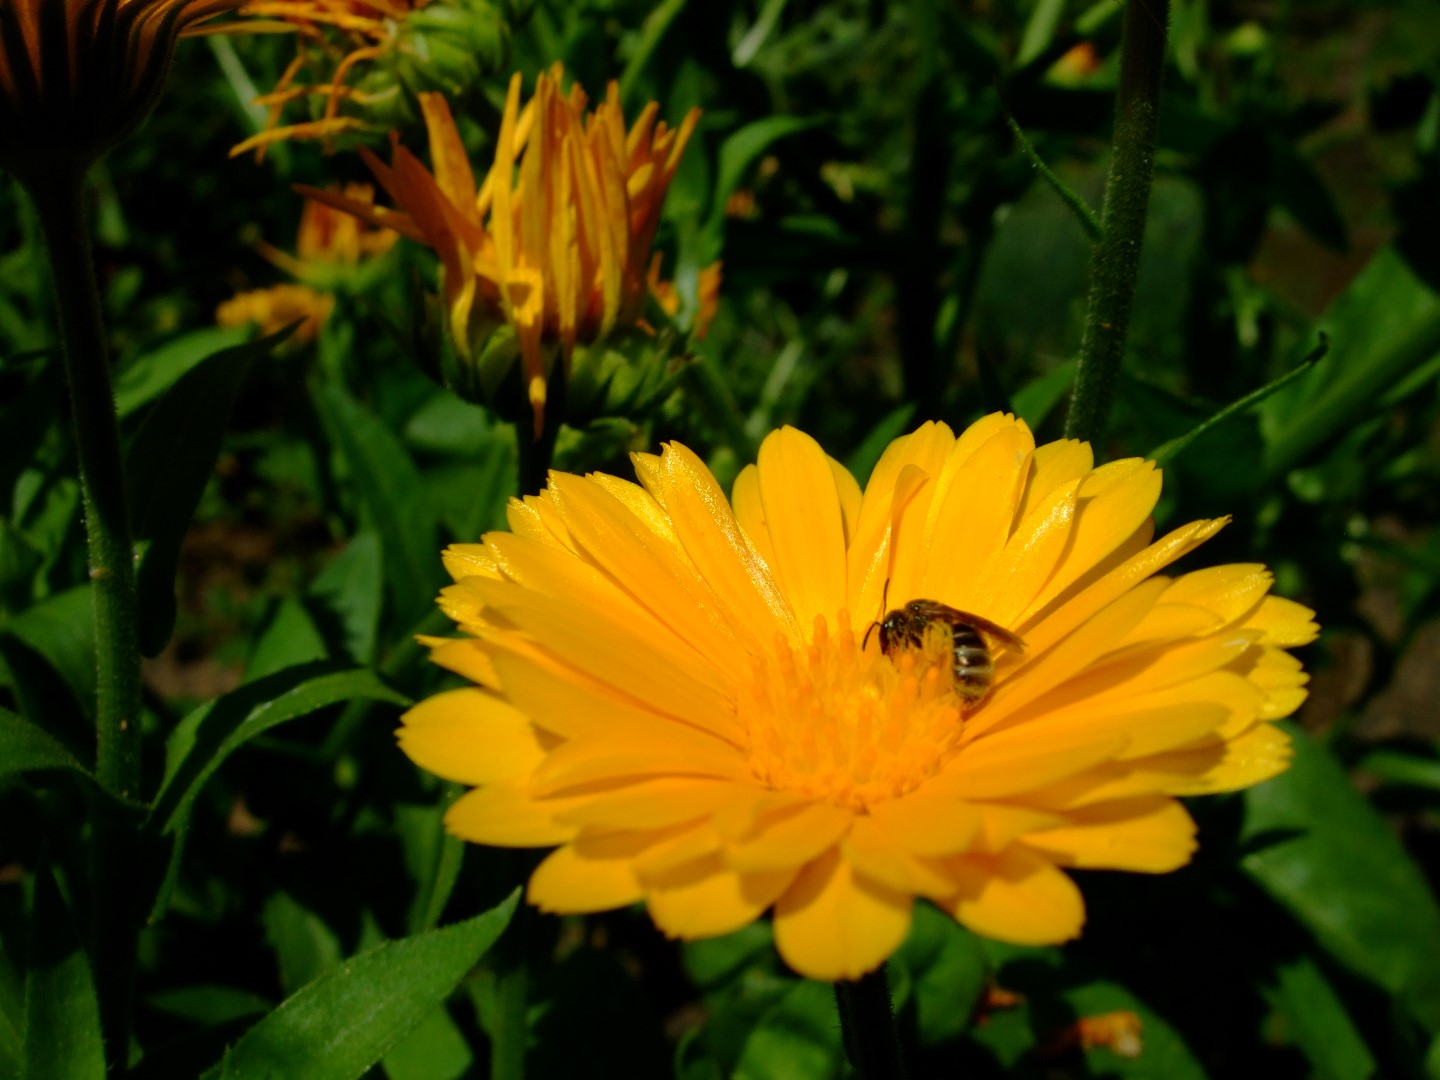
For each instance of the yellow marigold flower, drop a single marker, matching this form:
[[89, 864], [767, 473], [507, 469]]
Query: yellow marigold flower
[[277, 307], [681, 695], [556, 240], [77, 76]]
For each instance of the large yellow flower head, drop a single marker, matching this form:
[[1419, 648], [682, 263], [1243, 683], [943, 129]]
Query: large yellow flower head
[[556, 241], [77, 76], [678, 691]]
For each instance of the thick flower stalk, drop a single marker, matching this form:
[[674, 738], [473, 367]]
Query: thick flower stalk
[[555, 243], [330, 247], [77, 76], [687, 698]]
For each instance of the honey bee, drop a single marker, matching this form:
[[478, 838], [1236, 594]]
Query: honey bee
[[972, 667]]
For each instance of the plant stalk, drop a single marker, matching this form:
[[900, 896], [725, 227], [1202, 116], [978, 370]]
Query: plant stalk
[[59, 203], [1116, 262], [867, 1024]]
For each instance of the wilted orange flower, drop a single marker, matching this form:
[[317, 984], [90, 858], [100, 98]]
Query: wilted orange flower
[[77, 76], [556, 240], [327, 244], [367, 29], [679, 692]]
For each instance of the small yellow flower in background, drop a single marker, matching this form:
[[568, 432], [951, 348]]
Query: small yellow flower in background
[[668, 297], [77, 76], [277, 307], [556, 240], [680, 692], [329, 245]]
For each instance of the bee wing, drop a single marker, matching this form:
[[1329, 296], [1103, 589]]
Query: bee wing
[[934, 610]]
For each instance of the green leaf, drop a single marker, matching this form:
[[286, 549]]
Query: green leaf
[[141, 381], [947, 970], [392, 497], [1316, 1018], [1168, 450], [349, 590], [1331, 861], [167, 465], [289, 638], [1403, 768], [1034, 401], [343, 1023], [61, 628], [62, 1014], [798, 1038], [1349, 384], [304, 945], [657, 23], [737, 154], [23, 747], [203, 740], [435, 1050]]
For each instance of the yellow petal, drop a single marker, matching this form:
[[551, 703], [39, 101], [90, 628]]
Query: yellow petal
[[1054, 465], [750, 512], [705, 898], [1152, 836], [470, 737], [1283, 622], [507, 815], [589, 874], [655, 803], [972, 513], [876, 856], [924, 823], [715, 543], [789, 839], [1231, 591], [806, 525], [832, 925], [1017, 897]]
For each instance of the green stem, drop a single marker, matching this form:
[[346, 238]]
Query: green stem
[[867, 1025], [537, 452], [1116, 262], [59, 203]]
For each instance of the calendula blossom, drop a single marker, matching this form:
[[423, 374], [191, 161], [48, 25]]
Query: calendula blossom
[[77, 76], [556, 241], [677, 691]]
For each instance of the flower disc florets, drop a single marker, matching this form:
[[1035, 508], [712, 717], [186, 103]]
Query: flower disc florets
[[677, 692]]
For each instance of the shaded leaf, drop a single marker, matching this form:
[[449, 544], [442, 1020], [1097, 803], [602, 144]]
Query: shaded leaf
[[144, 379], [1318, 1022], [1345, 877], [167, 465], [947, 969], [798, 1038], [206, 737], [343, 1023], [62, 1014], [392, 497], [23, 747]]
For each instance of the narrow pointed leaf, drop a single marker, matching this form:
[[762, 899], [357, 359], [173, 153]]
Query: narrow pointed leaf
[[62, 1014], [340, 1025]]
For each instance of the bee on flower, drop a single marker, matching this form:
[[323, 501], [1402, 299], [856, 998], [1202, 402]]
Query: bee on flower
[[677, 691]]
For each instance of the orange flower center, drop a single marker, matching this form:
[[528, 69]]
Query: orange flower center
[[837, 721]]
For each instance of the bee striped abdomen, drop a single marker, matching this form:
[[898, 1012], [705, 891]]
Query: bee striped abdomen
[[973, 667]]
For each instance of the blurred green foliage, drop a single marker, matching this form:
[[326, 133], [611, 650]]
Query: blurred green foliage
[[890, 255]]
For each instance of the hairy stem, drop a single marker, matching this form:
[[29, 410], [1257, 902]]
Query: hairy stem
[[1116, 261], [868, 1027], [58, 200]]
